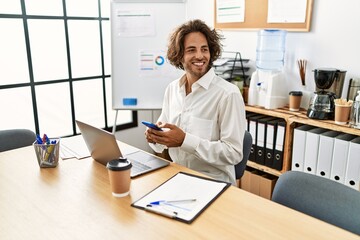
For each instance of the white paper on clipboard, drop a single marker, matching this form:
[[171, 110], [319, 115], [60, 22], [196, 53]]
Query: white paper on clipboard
[[184, 186]]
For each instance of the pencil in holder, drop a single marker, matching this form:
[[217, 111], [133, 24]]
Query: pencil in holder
[[47, 154]]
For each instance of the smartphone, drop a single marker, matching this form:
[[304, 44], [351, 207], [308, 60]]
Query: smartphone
[[151, 125]]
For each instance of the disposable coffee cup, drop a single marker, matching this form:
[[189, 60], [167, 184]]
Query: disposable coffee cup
[[295, 100], [342, 114], [119, 176]]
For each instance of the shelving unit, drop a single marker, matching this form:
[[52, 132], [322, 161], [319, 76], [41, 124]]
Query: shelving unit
[[285, 114], [293, 120], [327, 124]]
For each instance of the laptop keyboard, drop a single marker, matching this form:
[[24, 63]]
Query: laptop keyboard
[[138, 166]]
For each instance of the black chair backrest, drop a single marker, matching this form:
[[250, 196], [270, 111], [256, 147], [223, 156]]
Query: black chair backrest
[[240, 167], [319, 197], [16, 138]]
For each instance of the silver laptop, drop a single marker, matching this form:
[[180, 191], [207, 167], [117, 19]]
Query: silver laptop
[[103, 148]]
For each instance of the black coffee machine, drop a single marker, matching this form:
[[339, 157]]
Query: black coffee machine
[[322, 104]]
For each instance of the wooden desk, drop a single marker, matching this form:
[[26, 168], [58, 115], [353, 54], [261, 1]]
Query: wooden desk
[[74, 201]]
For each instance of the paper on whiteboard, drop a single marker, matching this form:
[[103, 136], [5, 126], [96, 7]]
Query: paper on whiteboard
[[153, 63], [285, 11], [135, 23], [230, 11]]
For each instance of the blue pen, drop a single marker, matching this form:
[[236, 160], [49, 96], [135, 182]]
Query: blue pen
[[173, 201], [38, 139]]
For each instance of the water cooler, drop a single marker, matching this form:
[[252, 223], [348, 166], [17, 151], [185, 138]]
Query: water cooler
[[268, 87]]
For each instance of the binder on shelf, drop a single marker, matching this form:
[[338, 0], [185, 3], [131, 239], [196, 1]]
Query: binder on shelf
[[340, 155], [326, 147], [253, 120], [298, 149], [248, 115], [261, 140], [279, 145], [312, 149], [352, 173], [270, 142]]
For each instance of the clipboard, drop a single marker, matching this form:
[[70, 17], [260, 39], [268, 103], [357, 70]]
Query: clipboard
[[182, 197]]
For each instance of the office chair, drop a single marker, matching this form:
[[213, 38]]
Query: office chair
[[240, 167], [321, 198], [15, 138]]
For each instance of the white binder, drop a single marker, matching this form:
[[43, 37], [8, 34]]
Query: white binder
[[326, 147], [298, 152], [352, 174], [312, 149], [340, 154]]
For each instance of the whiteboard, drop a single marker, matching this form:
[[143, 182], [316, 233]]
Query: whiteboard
[[139, 37]]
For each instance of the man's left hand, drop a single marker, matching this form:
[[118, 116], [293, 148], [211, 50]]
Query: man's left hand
[[172, 136]]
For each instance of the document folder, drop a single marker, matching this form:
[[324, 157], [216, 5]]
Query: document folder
[[259, 154], [248, 115], [271, 127], [326, 148], [352, 174], [340, 155], [253, 129], [279, 145], [183, 197], [312, 149], [298, 150], [261, 140]]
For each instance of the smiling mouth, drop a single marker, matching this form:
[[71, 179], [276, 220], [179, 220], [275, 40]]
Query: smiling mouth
[[199, 64]]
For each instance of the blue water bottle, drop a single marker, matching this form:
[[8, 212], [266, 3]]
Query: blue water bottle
[[270, 49]]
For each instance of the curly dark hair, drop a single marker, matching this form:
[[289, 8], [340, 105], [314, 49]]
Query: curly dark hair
[[175, 50]]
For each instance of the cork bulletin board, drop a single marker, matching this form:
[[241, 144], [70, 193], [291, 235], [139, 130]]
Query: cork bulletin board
[[256, 17]]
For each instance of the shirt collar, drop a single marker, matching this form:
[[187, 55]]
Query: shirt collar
[[204, 81]]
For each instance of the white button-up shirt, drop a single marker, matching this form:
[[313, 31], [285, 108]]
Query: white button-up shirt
[[213, 118]]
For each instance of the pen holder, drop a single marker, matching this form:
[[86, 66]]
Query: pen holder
[[47, 154]]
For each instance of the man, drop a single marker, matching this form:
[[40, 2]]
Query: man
[[203, 115]]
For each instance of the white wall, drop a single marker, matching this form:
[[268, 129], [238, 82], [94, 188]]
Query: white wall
[[333, 42]]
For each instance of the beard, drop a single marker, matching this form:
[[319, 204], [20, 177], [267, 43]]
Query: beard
[[196, 71]]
